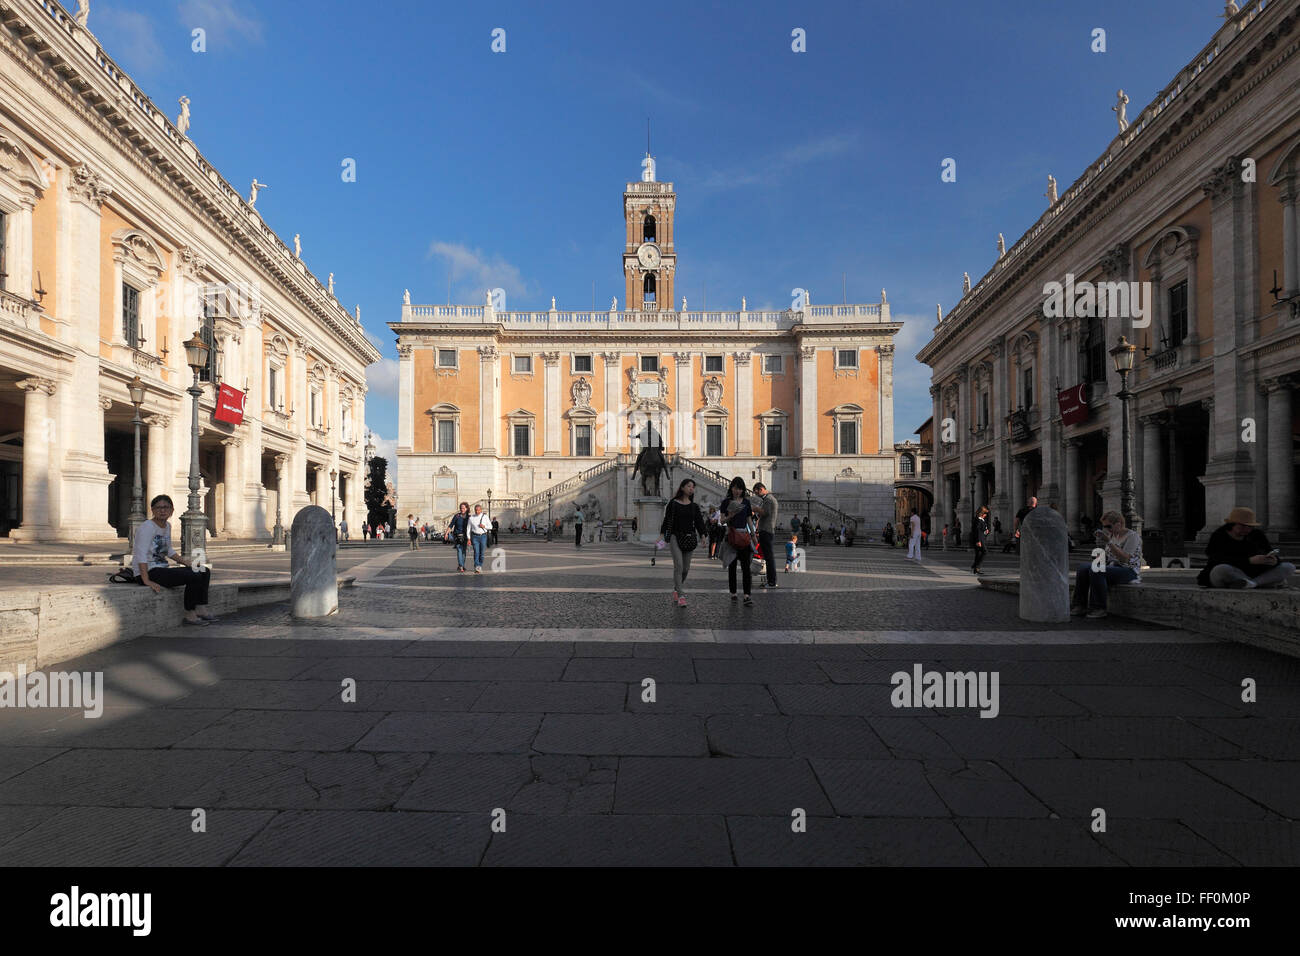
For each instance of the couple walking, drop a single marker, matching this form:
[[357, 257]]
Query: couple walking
[[683, 526]]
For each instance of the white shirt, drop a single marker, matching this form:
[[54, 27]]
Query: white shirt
[[153, 545], [916, 526], [480, 523]]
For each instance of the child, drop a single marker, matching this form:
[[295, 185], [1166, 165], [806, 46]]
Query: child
[[789, 550]]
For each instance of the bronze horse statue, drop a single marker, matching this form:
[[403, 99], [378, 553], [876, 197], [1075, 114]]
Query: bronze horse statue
[[651, 464]]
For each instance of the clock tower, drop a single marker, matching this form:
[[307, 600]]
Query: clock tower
[[649, 262]]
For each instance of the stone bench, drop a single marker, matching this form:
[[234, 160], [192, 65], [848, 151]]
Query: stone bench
[[43, 626], [1263, 617]]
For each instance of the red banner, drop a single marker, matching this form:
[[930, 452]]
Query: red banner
[[230, 405], [1074, 404]]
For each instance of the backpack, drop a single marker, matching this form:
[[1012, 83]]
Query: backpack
[[123, 576]]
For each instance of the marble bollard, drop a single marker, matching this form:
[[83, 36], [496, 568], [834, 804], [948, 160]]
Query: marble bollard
[[313, 582], [1044, 567]]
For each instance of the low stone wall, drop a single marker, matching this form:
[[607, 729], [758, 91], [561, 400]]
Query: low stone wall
[[43, 626], [1264, 617]]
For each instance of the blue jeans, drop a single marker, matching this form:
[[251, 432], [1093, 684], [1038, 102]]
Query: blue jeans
[[460, 555], [478, 540], [1091, 589]]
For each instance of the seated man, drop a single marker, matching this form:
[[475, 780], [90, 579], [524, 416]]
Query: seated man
[[1238, 555], [1123, 549]]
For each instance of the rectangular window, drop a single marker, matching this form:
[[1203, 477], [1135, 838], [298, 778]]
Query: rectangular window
[[713, 363], [848, 438], [446, 358], [582, 441], [846, 358], [524, 364], [582, 363], [925, 466], [1028, 387], [274, 389], [984, 410], [772, 364], [208, 334], [521, 440], [4, 257], [446, 437], [315, 408], [774, 439], [713, 441], [1093, 355], [131, 316], [1178, 313], [649, 363]]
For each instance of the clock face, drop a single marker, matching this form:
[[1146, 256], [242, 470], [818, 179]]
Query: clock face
[[648, 255]]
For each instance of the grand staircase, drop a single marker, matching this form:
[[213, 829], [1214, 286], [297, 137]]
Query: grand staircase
[[566, 492]]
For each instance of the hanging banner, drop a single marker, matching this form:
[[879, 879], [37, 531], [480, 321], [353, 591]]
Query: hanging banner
[[230, 405], [1074, 404]]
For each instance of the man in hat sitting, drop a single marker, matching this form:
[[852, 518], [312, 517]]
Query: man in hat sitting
[[1239, 556]]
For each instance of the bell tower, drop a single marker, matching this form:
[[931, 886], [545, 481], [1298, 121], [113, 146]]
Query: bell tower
[[649, 262]]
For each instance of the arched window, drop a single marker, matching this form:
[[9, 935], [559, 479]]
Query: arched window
[[648, 288], [648, 228], [906, 465]]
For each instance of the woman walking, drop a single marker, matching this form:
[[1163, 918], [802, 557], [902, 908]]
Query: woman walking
[[980, 532], [682, 528], [458, 532], [150, 554], [738, 544]]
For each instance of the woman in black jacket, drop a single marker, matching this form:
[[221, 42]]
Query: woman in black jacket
[[458, 532], [979, 532], [682, 528], [737, 515]]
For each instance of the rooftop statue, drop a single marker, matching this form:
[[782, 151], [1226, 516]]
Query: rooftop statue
[[1120, 109], [183, 121]]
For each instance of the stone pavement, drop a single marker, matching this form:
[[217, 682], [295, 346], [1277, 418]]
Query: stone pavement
[[519, 697]]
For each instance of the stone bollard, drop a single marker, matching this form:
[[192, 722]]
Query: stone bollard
[[1044, 567], [313, 582]]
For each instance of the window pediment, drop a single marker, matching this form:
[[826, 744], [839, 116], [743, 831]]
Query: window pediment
[[134, 248]]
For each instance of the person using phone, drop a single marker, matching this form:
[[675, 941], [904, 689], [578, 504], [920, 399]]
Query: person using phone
[[1238, 555], [151, 551], [1123, 555]]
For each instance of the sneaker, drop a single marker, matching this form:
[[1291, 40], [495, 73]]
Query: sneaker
[[1096, 612], [681, 601], [772, 586], [674, 598], [1078, 611], [763, 584], [1250, 583], [749, 601], [478, 570], [733, 595]]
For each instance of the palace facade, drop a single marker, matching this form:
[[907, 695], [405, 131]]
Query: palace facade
[[1192, 208], [119, 241], [538, 411]]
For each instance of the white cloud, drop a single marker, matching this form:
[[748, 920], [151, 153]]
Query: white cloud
[[382, 378], [770, 169], [376, 340], [471, 269], [222, 19], [130, 36]]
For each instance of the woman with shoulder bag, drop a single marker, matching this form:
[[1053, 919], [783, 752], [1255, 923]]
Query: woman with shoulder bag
[[738, 544], [458, 532], [682, 527]]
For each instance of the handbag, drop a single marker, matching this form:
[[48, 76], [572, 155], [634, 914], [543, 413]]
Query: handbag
[[690, 540]]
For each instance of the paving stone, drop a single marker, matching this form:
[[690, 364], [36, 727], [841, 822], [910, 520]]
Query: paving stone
[[703, 699], [615, 840], [563, 649], [837, 841], [15, 821], [371, 669], [864, 672], [15, 760], [138, 728], [134, 836], [258, 668], [452, 733], [460, 649], [211, 647], [878, 788], [565, 784], [474, 783], [588, 648], [1168, 738], [1036, 843], [368, 838], [560, 697], [981, 789], [1273, 783], [1144, 789], [1276, 738], [37, 726], [119, 778], [499, 669], [446, 696], [1254, 843], [284, 730], [260, 695], [717, 785], [626, 734], [993, 738], [785, 736], [833, 699], [1134, 701], [1160, 843], [759, 672], [696, 651], [629, 670], [808, 652], [910, 738], [308, 780], [1272, 698]]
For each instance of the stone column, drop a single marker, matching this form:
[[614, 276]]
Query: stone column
[[1070, 486], [1049, 412], [1016, 493], [551, 403], [611, 417], [156, 463], [1151, 493], [1001, 398], [40, 436], [488, 378], [744, 421], [1281, 515], [683, 434], [234, 496], [982, 489], [1290, 237], [964, 507], [808, 400], [405, 400], [886, 400]]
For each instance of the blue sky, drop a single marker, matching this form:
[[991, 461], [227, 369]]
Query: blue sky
[[792, 169]]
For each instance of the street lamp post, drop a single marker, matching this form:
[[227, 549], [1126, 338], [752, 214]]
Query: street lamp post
[[277, 533], [974, 508], [193, 521], [136, 388], [333, 475], [807, 521], [1122, 354], [489, 512], [549, 524], [1173, 511]]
